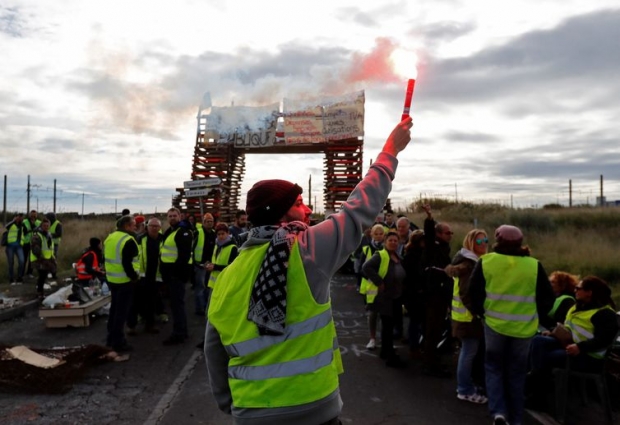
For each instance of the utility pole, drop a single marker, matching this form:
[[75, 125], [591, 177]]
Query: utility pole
[[54, 209], [570, 193], [456, 195], [310, 190], [28, 195], [4, 202], [602, 201], [82, 205]]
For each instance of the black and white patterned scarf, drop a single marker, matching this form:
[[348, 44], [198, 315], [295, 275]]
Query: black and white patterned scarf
[[268, 300]]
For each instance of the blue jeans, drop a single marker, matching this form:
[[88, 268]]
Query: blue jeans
[[469, 349], [547, 354], [12, 250], [506, 368]]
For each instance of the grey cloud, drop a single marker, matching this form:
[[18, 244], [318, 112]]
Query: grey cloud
[[11, 22], [52, 145], [444, 31], [460, 136], [564, 61]]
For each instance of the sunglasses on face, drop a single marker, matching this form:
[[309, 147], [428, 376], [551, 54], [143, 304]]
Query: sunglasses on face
[[481, 241]]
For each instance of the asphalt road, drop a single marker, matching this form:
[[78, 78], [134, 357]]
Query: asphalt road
[[169, 386]]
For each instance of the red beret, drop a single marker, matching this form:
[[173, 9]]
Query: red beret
[[269, 200], [139, 219]]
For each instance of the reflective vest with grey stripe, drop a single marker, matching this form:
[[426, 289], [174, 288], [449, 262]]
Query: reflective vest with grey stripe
[[112, 251], [367, 287], [169, 251], [47, 250], [510, 303], [30, 229], [53, 231], [580, 325], [221, 258], [269, 371], [15, 234], [459, 312]]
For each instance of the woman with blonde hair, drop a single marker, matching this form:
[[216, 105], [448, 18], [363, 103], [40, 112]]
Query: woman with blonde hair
[[467, 328]]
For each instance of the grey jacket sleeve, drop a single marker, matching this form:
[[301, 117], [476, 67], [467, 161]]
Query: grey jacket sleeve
[[217, 366], [325, 247]]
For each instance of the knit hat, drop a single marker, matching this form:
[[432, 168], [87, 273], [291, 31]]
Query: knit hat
[[94, 242], [269, 200], [139, 219], [507, 234]]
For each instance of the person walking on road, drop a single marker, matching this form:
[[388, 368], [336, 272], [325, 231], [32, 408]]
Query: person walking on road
[[42, 254], [30, 225], [176, 267], [510, 289], [14, 248], [204, 244], [122, 265], [271, 348]]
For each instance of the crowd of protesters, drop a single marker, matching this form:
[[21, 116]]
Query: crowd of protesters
[[512, 324]]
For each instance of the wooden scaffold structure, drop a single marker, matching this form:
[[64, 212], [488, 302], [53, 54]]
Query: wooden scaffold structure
[[224, 158]]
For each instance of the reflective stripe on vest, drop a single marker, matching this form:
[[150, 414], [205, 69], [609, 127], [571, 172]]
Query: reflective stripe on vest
[[80, 267], [510, 304], [200, 244], [371, 289], [169, 251], [580, 325], [221, 259], [557, 302], [47, 251], [113, 249], [15, 234], [28, 226], [459, 312], [53, 230], [296, 368]]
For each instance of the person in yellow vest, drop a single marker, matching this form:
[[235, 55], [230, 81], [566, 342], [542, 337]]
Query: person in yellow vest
[[42, 254], [122, 265], [510, 289], [466, 327], [593, 325], [56, 231], [147, 289], [30, 225], [224, 253], [271, 347], [14, 248], [204, 245], [413, 296], [386, 272], [367, 289], [176, 267]]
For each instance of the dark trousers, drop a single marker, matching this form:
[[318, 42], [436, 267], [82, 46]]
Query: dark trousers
[[387, 337], [122, 299], [27, 263], [143, 304], [434, 325], [176, 290], [41, 280], [398, 318]]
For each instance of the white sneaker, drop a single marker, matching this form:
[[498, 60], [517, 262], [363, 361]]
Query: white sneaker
[[372, 344], [473, 398]]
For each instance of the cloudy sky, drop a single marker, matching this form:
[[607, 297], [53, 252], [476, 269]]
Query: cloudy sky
[[512, 100]]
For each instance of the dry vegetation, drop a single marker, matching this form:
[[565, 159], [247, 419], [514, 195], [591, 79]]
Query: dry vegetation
[[578, 240]]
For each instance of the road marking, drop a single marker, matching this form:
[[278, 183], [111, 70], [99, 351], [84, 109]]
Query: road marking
[[165, 402]]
